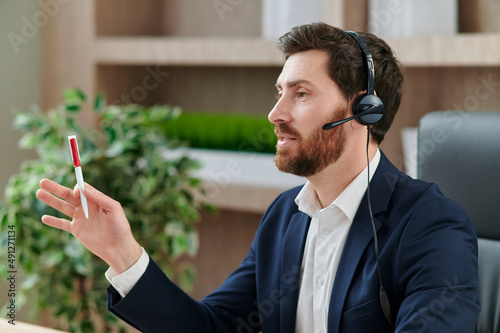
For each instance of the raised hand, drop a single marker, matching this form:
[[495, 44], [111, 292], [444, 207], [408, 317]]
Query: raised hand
[[106, 233]]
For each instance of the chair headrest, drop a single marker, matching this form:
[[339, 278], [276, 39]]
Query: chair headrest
[[460, 152]]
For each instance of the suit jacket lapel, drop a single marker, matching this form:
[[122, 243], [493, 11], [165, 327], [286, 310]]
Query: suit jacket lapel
[[357, 240], [360, 235], [292, 253]]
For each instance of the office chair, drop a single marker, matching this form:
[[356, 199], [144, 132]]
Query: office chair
[[460, 152]]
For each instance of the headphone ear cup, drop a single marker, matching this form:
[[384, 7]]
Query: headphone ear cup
[[355, 106], [364, 102]]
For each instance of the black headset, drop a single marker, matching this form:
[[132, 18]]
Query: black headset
[[367, 108]]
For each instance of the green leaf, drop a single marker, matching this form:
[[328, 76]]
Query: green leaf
[[87, 326], [29, 141], [115, 149], [67, 282], [30, 281], [24, 121], [60, 311], [74, 94], [81, 267], [54, 258], [74, 249], [99, 102], [72, 107]]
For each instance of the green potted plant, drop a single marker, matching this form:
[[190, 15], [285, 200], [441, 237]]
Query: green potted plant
[[224, 131], [127, 158]]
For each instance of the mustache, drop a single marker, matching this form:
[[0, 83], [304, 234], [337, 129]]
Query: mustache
[[286, 129]]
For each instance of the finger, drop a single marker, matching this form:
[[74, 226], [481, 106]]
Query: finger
[[100, 198], [63, 206], [76, 191], [76, 194], [56, 222], [59, 190]]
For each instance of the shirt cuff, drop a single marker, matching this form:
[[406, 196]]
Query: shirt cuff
[[125, 281]]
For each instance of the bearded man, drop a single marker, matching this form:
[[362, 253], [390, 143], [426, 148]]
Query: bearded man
[[361, 247]]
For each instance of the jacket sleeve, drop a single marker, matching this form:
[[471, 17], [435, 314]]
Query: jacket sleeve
[[156, 304], [436, 269]]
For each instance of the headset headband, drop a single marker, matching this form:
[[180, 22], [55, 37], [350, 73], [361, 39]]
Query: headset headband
[[368, 59]]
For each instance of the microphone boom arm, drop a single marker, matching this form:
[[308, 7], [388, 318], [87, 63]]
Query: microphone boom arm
[[331, 125]]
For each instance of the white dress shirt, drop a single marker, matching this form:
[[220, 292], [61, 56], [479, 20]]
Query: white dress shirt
[[124, 282], [324, 244], [325, 241]]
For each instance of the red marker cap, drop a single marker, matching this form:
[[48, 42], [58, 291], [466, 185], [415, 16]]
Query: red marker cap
[[74, 151]]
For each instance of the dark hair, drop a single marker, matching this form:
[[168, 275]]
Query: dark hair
[[346, 65]]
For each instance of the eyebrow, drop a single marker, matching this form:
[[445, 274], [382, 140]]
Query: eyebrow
[[294, 83]]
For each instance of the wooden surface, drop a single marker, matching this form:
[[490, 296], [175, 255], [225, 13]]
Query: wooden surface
[[462, 50], [356, 14], [479, 16], [471, 50], [250, 199], [67, 58], [112, 17], [197, 51], [225, 240], [20, 327], [333, 12]]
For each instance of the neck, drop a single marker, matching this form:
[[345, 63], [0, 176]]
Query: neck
[[334, 179]]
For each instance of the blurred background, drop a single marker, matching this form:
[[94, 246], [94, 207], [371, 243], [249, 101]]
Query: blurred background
[[217, 61]]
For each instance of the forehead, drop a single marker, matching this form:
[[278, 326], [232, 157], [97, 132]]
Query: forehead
[[310, 66]]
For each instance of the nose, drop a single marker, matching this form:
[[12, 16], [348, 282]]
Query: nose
[[280, 112]]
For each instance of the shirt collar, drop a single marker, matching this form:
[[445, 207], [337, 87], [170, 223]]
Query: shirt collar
[[348, 201]]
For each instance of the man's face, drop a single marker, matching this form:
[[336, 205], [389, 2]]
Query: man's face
[[307, 99]]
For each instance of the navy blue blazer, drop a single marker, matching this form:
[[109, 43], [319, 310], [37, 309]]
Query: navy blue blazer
[[428, 254]]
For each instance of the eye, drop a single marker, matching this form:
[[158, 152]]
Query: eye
[[278, 95], [301, 94]]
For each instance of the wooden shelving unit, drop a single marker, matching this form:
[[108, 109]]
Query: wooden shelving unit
[[224, 65], [465, 50]]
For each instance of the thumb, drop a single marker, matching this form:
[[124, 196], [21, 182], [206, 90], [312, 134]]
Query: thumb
[[100, 198]]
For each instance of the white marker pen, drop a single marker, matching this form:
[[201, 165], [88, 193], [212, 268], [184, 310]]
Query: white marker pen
[[78, 171]]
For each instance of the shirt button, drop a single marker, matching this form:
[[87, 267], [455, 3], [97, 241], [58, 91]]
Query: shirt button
[[321, 281], [327, 231]]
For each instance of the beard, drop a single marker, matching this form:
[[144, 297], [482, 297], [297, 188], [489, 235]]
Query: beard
[[314, 153]]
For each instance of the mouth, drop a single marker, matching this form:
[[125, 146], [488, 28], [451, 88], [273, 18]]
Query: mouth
[[285, 141], [287, 136]]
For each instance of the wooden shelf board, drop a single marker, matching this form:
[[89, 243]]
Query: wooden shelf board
[[245, 198], [464, 50], [187, 51]]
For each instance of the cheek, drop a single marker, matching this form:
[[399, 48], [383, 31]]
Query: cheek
[[310, 117], [313, 113]]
